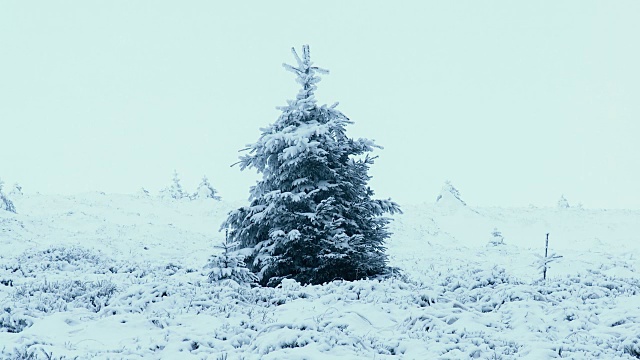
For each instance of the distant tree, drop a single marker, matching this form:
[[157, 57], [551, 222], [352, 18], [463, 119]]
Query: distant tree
[[449, 190], [5, 203], [496, 238], [205, 191], [229, 265], [143, 192], [311, 217], [16, 191], [563, 203], [174, 191]]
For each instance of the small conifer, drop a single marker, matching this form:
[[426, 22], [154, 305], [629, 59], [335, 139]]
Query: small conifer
[[229, 265], [205, 191], [5, 203]]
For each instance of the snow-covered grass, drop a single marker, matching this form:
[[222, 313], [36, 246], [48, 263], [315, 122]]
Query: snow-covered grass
[[97, 276]]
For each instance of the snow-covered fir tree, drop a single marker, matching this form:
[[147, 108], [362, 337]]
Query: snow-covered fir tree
[[174, 191], [229, 265], [496, 238], [5, 203], [449, 193], [563, 203], [205, 191], [16, 190], [311, 217]]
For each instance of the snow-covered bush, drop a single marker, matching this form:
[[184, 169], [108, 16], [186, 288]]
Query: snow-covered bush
[[631, 346], [30, 352], [174, 191], [63, 258], [136, 298], [14, 320], [5, 203], [21, 353], [229, 265], [69, 259], [205, 191], [53, 296], [312, 217]]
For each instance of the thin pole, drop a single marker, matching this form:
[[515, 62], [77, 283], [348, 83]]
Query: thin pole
[[546, 252]]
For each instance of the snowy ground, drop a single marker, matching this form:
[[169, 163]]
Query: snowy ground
[[97, 276]]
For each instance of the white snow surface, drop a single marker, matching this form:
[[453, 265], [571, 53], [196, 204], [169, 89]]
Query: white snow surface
[[97, 276]]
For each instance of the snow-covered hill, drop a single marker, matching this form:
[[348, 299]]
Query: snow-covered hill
[[122, 277]]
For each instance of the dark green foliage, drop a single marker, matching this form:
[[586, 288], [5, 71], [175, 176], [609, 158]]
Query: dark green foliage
[[312, 217]]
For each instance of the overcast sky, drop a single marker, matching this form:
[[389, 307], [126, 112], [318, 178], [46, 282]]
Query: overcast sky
[[515, 102]]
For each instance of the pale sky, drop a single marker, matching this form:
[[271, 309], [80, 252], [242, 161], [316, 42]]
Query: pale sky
[[515, 102]]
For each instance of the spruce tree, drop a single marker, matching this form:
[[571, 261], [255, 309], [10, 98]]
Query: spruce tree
[[448, 191], [311, 217], [205, 191], [229, 265], [174, 191]]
